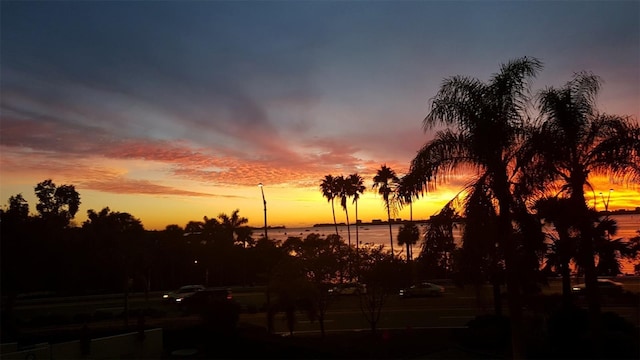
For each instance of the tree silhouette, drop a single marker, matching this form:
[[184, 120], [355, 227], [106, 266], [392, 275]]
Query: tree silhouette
[[57, 205], [322, 261], [573, 142], [489, 120], [232, 225], [384, 180], [438, 244], [557, 211], [408, 235], [330, 190], [357, 183], [119, 237], [345, 191]]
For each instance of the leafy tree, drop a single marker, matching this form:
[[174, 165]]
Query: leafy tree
[[323, 262], [265, 259], [330, 190], [489, 120], [172, 254], [384, 180], [117, 237], [57, 205], [18, 208], [14, 243], [380, 271]]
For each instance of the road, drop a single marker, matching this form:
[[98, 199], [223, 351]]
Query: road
[[445, 312], [454, 309]]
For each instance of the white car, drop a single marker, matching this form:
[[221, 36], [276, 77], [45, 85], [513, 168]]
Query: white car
[[606, 287], [181, 293]]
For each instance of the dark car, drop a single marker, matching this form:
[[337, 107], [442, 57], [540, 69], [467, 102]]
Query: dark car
[[424, 289], [606, 287], [215, 306], [348, 289], [182, 293], [206, 299]]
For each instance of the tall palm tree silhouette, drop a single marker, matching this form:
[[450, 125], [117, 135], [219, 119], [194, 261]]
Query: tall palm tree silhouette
[[488, 119], [345, 191], [329, 189], [575, 141], [357, 183], [385, 180]]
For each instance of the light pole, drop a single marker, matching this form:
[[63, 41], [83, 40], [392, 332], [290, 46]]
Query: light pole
[[606, 203], [264, 201]]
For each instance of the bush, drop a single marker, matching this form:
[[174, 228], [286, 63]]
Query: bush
[[487, 333], [569, 336], [221, 317]]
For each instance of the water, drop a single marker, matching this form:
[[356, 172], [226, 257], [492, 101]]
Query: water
[[628, 225]]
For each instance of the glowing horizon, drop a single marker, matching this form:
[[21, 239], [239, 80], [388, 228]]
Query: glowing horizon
[[290, 207]]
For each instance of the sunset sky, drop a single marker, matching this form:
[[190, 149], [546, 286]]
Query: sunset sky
[[172, 111]]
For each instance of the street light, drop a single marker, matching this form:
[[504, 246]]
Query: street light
[[264, 201], [606, 203]]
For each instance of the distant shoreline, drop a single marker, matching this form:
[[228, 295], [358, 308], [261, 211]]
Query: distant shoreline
[[377, 222]]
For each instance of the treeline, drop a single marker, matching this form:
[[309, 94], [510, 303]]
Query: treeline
[[111, 250]]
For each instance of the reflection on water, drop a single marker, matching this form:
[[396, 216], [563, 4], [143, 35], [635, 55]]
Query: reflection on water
[[628, 225]]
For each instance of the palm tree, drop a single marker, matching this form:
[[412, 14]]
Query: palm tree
[[408, 235], [384, 180], [405, 192], [574, 141], [488, 120], [329, 188], [231, 225], [345, 190], [557, 211], [409, 187], [357, 183]]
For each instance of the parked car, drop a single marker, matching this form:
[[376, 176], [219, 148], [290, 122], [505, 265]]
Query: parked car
[[348, 289], [182, 293], [606, 287], [424, 289]]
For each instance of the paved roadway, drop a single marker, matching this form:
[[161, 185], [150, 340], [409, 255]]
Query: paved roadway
[[446, 312], [455, 309]]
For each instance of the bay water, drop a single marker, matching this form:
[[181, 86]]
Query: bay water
[[378, 234]]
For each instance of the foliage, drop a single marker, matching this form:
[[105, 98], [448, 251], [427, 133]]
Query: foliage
[[437, 247], [380, 271], [57, 205], [321, 262]]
